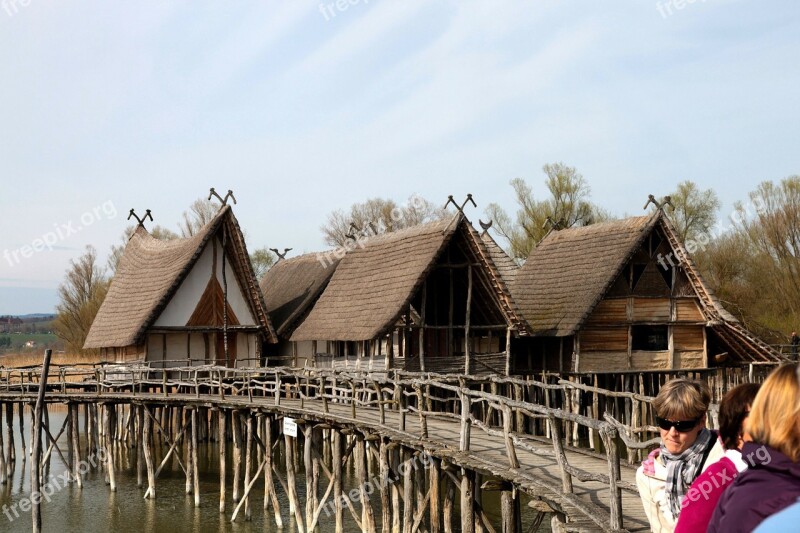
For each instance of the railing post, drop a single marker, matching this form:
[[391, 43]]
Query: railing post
[[561, 458], [511, 452], [466, 423], [401, 405], [325, 396], [608, 435], [423, 422], [381, 407], [277, 388]]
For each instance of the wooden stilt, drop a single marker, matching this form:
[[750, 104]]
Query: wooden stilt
[[248, 461], [189, 470], [3, 471], [195, 472], [408, 491], [139, 446], [76, 447], [237, 453], [367, 515], [112, 478], [269, 486], [222, 462], [395, 461], [36, 447], [434, 482], [386, 512], [294, 503], [467, 501], [147, 425], [11, 454], [336, 466]]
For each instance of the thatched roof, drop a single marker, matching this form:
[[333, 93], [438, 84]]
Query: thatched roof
[[570, 271], [506, 266], [150, 272], [291, 286], [375, 282]]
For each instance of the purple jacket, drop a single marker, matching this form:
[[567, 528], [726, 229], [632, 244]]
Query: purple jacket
[[771, 483]]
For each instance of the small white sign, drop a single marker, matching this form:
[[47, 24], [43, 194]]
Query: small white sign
[[289, 426]]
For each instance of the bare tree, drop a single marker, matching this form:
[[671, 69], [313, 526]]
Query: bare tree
[[568, 205], [200, 213], [695, 211], [378, 215], [81, 294]]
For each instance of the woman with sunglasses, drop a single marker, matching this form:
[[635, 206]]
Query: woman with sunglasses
[[700, 501], [687, 448], [772, 480]]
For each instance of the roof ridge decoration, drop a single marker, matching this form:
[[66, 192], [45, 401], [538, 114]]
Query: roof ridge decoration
[[147, 215], [223, 201]]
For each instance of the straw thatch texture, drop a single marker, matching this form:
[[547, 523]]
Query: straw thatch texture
[[506, 266], [291, 286], [571, 269], [374, 282], [150, 272]]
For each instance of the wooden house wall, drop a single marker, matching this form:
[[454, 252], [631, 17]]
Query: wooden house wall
[[605, 342]]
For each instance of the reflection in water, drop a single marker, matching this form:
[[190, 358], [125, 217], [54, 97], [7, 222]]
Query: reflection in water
[[95, 508]]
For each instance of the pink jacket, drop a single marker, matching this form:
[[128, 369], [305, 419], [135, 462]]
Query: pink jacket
[[700, 501]]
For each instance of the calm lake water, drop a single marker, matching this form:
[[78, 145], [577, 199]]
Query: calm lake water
[[96, 508]]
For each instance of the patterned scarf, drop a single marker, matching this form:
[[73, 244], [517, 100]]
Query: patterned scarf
[[683, 468]]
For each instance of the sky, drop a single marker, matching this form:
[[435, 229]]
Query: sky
[[302, 108]]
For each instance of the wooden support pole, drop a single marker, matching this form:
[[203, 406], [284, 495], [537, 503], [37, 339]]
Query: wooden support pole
[[367, 514], [147, 425], [467, 501], [467, 366], [140, 468], [269, 486], [236, 423], [221, 439], [394, 458], [449, 503], [248, 462], [508, 351], [408, 492], [3, 474], [336, 466], [195, 470], [76, 447], [36, 447], [112, 478], [11, 450], [189, 470], [423, 305], [383, 466], [294, 503], [434, 482]]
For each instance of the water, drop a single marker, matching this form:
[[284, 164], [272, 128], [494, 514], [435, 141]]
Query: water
[[94, 508]]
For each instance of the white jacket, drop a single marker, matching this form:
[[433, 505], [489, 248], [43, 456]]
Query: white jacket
[[654, 497]]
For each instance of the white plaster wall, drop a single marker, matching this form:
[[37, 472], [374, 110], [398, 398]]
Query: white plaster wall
[[197, 347], [184, 302]]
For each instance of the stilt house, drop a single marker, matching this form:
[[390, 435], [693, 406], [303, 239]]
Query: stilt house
[[290, 288], [184, 301], [426, 298], [624, 295]]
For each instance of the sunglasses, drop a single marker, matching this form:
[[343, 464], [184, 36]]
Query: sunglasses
[[681, 426]]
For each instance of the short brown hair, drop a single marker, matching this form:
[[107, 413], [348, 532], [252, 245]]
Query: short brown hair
[[732, 412], [776, 410], [682, 399]]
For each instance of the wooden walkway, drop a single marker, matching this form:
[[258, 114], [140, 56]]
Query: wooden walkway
[[435, 415]]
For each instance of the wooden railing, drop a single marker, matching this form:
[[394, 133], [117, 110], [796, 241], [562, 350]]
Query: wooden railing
[[506, 411]]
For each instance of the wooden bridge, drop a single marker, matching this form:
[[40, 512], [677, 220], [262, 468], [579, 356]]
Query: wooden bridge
[[518, 436]]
